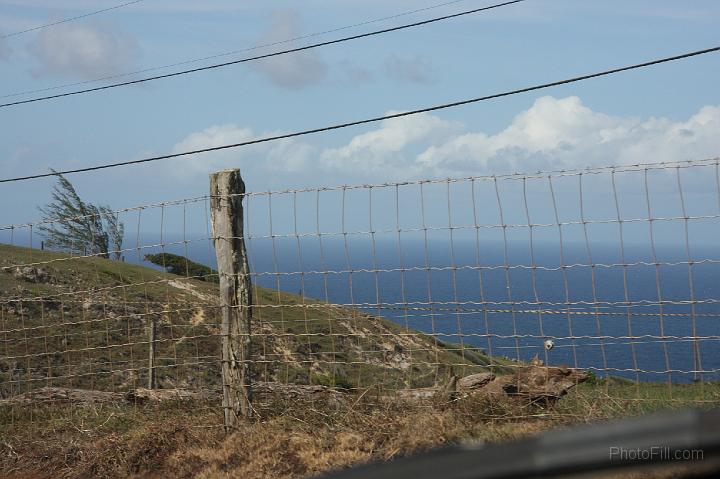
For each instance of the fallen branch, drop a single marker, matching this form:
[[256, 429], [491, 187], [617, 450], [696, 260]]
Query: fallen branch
[[143, 395]]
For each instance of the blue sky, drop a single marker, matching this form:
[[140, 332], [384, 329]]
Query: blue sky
[[665, 113]]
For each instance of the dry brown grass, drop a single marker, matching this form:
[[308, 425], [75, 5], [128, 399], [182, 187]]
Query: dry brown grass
[[290, 439]]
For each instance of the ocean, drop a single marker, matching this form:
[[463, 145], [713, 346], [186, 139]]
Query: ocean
[[605, 318]]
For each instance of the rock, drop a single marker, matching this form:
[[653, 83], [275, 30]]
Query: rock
[[32, 274], [541, 383], [533, 383], [447, 389], [474, 381]]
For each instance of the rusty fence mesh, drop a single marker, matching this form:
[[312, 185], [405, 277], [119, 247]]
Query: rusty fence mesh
[[611, 272]]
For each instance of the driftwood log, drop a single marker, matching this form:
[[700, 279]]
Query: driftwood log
[[532, 383], [292, 392], [539, 383], [474, 381], [63, 395]]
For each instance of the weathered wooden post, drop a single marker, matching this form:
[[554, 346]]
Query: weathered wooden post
[[226, 195], [152, 332]]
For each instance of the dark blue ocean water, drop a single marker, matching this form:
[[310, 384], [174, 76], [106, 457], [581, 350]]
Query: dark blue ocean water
[[464, 294], [605, 318]]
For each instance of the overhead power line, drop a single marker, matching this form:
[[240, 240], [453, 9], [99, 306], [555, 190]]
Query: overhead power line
[[234, 52], [71, 19], [375, 119], [268, 55]]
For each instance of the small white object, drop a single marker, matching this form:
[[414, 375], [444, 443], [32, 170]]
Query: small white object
[[549, 344]]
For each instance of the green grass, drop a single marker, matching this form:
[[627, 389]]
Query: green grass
[[91, 331]]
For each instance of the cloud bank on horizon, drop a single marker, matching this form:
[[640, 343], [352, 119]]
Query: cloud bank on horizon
[[554, 133]]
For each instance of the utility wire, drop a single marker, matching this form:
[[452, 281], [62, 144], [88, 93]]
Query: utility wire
[[375, 119], [65, 20], [234, 52], [268, 55]]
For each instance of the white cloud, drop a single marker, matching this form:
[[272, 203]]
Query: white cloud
[[295, 70], [551, 134], [391, 148], [563, 133], [410, 70], [286, 155], [83, 50]]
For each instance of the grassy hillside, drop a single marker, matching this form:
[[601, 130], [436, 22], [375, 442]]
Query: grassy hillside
[[84, 323]]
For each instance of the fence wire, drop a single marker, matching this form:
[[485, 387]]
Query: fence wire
[[614, 265], [610, 271]]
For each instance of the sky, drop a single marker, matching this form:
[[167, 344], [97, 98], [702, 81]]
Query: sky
[[669, 112]]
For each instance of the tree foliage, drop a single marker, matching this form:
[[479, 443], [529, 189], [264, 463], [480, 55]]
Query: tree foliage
[[71, 224], [180, 265]]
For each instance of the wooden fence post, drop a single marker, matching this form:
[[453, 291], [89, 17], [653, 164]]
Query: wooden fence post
[[226, 195], [152, 331]]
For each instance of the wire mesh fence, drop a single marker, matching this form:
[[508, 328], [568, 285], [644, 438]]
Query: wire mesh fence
[[75, 322], [608, 271]]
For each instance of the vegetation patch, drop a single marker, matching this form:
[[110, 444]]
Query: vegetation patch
[[182, 266]]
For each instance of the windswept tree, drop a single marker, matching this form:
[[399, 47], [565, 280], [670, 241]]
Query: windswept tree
[[71, 224], [115, 230]]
